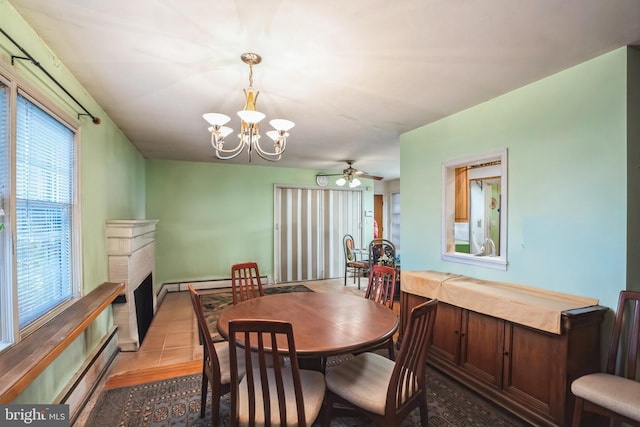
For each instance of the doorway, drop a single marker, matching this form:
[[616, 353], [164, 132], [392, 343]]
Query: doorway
[[377, 215]]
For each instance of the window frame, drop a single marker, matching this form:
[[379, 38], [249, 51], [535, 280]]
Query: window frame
[[10, 332], [394, 234], [448, 252]]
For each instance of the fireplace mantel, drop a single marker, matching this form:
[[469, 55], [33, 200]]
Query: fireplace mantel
[[131, 255]]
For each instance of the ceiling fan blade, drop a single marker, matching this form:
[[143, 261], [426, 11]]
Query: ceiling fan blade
[[350, 171], [377, 178], [363, 174]]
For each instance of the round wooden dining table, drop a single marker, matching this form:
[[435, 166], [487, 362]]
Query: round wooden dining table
[[324, 324]]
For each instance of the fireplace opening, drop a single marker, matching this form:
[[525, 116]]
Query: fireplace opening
[[143, 297]]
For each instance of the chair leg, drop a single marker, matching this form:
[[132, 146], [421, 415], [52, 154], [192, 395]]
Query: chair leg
[[203, 398], [346, 271], [392, 355], [424, 412], [215, 405], [328, 409], [577, 412]]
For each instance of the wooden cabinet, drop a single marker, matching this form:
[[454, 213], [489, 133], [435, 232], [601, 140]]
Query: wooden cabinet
[[525, 370], [462, 195], [470, 341]]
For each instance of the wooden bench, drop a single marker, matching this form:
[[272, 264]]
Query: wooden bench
[[22, 363]]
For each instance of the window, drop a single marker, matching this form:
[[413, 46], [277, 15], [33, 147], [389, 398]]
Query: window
[[40, 275], [474, 210]]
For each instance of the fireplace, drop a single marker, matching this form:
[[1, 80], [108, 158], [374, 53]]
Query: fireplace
[[131, 255]]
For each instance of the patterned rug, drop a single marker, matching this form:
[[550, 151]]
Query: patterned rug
[[214, 303], [176, 402]]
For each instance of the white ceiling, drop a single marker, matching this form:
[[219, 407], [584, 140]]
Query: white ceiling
[[353, 75]]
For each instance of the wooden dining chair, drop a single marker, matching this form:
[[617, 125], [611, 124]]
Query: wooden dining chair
[[277, 395], [245, 282], [382, 252], [351, 261], [615, 393], [383, 390], [381, 289], [215, 365]]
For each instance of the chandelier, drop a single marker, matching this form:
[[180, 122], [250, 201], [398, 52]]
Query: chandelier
[[249, 136]]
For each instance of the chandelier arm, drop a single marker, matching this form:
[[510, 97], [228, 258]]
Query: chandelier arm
[[264, 153], [275, 159], [237, 148], [232, 156]]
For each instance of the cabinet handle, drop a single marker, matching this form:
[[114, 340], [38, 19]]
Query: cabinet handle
[[506, 353], [455, 332]]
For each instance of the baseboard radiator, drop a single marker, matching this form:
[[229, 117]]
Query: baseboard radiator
[[77, 393], [200, 285]]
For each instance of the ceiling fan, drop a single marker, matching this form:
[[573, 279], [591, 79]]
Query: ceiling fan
[[349, 175]]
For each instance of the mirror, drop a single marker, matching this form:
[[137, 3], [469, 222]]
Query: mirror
[[475, 210]]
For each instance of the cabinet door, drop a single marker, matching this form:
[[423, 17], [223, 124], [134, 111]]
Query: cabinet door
[[407, 303], [482, 341], [462, 195], [535, 369], [446, 333]]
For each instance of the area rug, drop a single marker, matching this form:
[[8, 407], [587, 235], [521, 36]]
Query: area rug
[[215, 302], [176, 402]]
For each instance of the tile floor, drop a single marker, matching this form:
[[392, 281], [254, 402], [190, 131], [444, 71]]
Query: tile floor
[[173, 336], [172, 343]]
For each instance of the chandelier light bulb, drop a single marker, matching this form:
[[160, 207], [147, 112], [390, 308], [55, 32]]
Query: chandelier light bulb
[[250, 116], [341, 181], [224, 131], [355, 182], [281, 124], [216, 119]]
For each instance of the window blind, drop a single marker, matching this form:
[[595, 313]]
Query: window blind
[[44, 205]]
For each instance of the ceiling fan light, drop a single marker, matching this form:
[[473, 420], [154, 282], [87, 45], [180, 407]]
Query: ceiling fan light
[[355, 182], [281, 124], [341, 181], [251, 116], [216, 119]]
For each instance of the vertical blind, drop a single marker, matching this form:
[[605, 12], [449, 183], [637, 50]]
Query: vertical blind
[[309, 226], [4, 192], [44, 204]]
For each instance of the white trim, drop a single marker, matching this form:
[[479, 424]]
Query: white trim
[[448, 211], [10, 332]]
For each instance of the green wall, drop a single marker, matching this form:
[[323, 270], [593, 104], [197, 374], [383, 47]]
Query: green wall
[[213, 215], [112, 184], [571, 202], [566, 137]]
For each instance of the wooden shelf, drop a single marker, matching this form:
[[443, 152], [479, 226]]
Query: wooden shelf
[[22, 363]]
